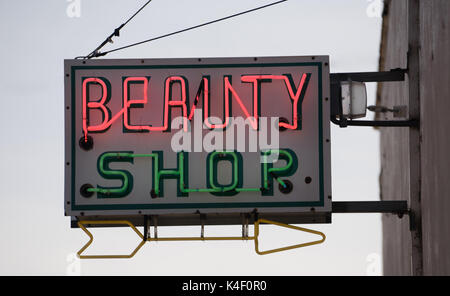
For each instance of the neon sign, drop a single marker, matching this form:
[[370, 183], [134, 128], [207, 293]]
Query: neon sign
[[153, 136]]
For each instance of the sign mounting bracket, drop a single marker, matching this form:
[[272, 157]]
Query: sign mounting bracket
[[397, 207]]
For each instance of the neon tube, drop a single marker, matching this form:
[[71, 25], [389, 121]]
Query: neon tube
[[205, 85], [127, 103], [253, 119], [294, 96], [168, 103], [94, 105]]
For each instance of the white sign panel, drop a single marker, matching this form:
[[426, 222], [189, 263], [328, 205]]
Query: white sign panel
[[189, 136]]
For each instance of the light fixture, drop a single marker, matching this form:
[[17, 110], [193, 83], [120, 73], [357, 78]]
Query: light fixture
[[354, 99]]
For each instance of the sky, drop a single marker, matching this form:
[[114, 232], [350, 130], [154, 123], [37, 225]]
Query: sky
[[36, 36]]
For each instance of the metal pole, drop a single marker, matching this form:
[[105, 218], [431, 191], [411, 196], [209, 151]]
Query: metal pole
[[399, 207], [414, 136]]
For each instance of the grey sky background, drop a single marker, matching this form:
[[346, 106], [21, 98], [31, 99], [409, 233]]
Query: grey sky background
[[36, 36]]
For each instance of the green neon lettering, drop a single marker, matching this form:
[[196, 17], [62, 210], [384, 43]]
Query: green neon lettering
[[125, 176], [213, 159], [159, 173], [269, 173]]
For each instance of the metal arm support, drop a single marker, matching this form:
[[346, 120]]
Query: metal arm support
[[398, 207], [393, 75]]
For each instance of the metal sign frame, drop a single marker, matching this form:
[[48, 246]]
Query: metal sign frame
[[318, 211]]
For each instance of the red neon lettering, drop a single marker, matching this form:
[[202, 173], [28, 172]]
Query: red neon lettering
[[295, 97], [205, 85], [253, 119], [94, 105], [168, 103], [127, 102], [206, 115], [97, 105]]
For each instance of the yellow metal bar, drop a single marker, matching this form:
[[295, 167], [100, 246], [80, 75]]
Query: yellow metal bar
[[82, 224], [289, 247], [172, 239]]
